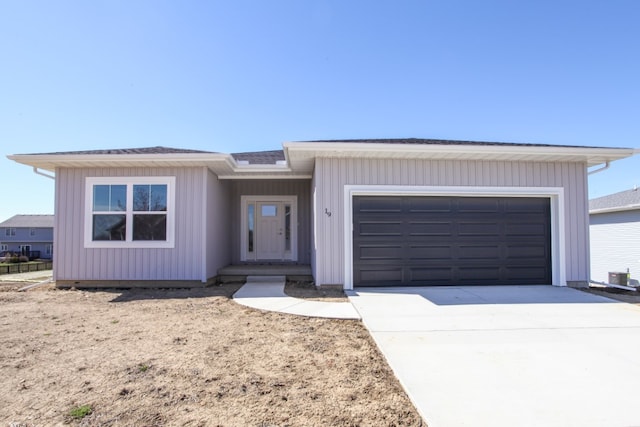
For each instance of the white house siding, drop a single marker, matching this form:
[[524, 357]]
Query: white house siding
[[332, 174], [273, 187], [216, 221], [74, 262], [615, 244]]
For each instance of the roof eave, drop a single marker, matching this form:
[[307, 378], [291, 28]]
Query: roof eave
[[592, 156], [615, 209]]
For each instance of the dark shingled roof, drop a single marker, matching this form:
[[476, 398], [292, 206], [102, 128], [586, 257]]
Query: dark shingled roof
[[144, 150], [443, 142], [35, 221], [617, 200], [260, 157]]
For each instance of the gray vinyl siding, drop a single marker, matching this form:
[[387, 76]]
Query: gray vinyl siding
[[217, 221], [75, 262], [274, 187], [331, 175], [615, 244]]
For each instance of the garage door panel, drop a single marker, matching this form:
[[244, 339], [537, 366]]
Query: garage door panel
[[381, 228], [381, 252], [415, 240], [435, 228], [532, 275], [432, 253], [527, 252], [378, 276], [429, 205], [378, 205], [477, 274], [433, 276], [478, 229], [525, 206], [477, 252], [515, 230], [478, 204]]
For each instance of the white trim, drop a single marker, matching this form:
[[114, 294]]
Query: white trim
[[615, 209], [264, 176], [591, 155], [204, 225], [292, 255], [555, 194], [129, 181]]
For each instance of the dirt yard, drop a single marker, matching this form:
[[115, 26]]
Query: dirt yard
[[186, 358], [631, 297]]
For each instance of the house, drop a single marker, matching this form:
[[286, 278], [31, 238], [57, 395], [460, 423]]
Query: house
[[30, 235], [357, 212], [614, 227]]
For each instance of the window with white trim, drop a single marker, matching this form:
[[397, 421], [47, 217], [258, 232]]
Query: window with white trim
[[9, 231], [4, 248], [134, 212]]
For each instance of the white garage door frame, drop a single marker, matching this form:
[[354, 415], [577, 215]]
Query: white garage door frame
[[555, 194]]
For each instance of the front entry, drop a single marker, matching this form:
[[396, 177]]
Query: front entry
[[269, 231]]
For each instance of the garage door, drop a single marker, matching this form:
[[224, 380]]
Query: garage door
[[413, 240]]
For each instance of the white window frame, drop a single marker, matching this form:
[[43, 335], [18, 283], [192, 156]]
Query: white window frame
[[129, 181], [4, 248], [554, 194], [10, 231]]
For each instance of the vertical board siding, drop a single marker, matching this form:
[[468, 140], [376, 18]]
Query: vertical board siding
[[273, 187], [615, 244], [331, 175], [217, 222], [75, 262]]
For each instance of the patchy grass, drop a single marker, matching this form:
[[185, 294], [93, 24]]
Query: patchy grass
[[80, 412]]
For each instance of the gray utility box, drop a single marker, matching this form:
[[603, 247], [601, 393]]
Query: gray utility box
[[616, 278]]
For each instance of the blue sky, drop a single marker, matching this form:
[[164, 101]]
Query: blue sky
[[248, 75]]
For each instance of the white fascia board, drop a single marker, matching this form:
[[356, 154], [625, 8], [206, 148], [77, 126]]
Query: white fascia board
[[265, 175], [615, 209], [51, 161], [593, 155]]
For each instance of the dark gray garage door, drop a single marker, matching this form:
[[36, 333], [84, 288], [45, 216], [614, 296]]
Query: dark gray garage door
[[412, 240]]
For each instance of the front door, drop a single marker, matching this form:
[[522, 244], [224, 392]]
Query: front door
[[269, 228], [270, 231]]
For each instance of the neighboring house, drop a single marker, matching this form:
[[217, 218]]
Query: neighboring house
[[359, 212], [614, 226], [30, 235]]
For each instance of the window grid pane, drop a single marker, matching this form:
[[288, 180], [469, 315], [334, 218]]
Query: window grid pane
[[149, 227], [109, 227]]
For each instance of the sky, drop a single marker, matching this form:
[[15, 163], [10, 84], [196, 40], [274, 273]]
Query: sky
[[233, 76]]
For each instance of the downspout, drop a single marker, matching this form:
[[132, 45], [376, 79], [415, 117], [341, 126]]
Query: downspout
[[605, 167], [36, 171]]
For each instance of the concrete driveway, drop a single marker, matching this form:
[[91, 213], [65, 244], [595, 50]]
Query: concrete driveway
[[509, 355]]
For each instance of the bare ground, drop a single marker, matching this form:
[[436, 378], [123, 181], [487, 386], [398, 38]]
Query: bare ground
[[188, 358], [631, 297]]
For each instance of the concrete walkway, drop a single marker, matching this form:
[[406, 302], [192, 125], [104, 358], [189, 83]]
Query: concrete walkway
[[267, 293], [29, 277], [509, 355]]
